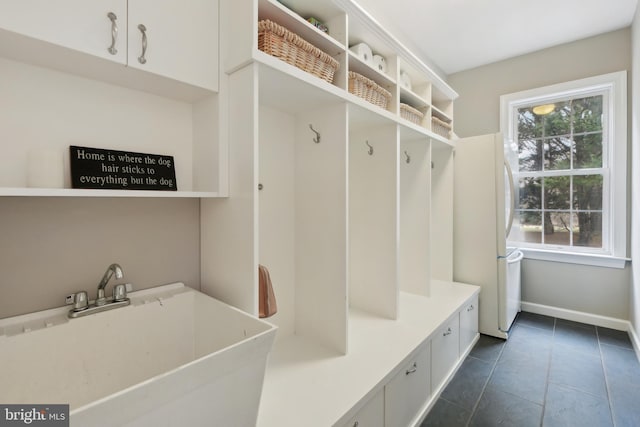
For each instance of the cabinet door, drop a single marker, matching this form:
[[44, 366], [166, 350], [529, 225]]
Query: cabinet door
[[371, 414], [76, 24], [408, 391], [445, 351], [468, 324], [179, 40]]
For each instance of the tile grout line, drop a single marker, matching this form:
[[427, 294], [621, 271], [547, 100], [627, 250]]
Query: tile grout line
[[606, 379], [546, 384], [484, 387]]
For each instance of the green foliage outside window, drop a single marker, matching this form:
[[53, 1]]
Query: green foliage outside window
[[561, 182]]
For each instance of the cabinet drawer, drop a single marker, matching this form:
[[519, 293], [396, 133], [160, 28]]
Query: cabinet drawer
[[408, 391], [468, 324], [445, 350], [371, 414]]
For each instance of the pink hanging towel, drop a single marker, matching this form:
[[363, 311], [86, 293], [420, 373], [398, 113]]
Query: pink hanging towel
[[267, 299]]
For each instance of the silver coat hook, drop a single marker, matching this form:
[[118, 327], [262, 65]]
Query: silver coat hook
[[370, 148], [317, 138], [408, 156]]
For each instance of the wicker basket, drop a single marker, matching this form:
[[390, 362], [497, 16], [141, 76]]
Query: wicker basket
[[411, 114], [440, 127], [368, 90], [283, 44]]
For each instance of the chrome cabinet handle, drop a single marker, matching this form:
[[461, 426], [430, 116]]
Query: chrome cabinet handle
[[448, 332], [114, 33], [412, 369], [143, 30], [470, 308]]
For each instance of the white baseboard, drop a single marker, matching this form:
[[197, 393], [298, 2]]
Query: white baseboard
[[635, 340], [577, 316]]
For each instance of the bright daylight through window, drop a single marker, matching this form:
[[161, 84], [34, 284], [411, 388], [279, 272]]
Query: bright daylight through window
[[567, 146], [561, 172]]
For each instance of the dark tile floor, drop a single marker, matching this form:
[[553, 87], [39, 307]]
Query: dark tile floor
[[551, 372]]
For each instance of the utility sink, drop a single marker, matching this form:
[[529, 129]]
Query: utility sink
[[175, 356]]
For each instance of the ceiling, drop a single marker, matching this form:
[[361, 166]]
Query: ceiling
[[456, 35]]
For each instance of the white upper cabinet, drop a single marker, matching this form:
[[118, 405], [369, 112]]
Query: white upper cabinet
[[175, 43], [175, 39], [91, 27]]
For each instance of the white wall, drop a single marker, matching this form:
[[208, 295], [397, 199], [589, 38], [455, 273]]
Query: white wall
[[635, 152], [50, 247], [604, 291]]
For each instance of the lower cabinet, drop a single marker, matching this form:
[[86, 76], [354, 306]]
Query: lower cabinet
[[445, 350], [404, 399], [371, 414], [468, 323], [408, 391]]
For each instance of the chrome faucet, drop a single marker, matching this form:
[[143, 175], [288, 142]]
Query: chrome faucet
[[113, 269], [83, 307]]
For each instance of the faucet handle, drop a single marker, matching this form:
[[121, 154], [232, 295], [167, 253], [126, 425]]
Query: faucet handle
[[120, 291], [79, 300]]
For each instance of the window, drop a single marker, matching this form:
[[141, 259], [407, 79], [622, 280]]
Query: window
[[567, 147]]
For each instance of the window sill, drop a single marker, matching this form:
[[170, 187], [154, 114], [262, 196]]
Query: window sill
[[575, 258]]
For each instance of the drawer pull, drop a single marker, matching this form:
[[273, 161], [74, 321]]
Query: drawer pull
[[114, 33], [447, 332], [356, 424], [412, 369], [470, 308]]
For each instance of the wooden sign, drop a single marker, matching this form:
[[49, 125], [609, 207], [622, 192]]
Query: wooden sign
[[97, 168]]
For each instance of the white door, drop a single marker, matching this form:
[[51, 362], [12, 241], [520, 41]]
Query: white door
[[80, 25], [175, 39]]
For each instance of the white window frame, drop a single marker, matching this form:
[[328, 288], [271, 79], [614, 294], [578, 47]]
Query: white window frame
[[614, 233]]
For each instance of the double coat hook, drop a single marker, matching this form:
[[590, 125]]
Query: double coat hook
[[370, 148], [317, 138], [408, 159]]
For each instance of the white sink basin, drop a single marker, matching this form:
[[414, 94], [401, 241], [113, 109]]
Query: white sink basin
[[173, 357]]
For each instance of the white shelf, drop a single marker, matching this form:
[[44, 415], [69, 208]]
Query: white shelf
[[441, 114], [416, 101], [428, 88], [290, 89], [304, 91], [278, 13], [357, 65], [363, 27], [77, 192]]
